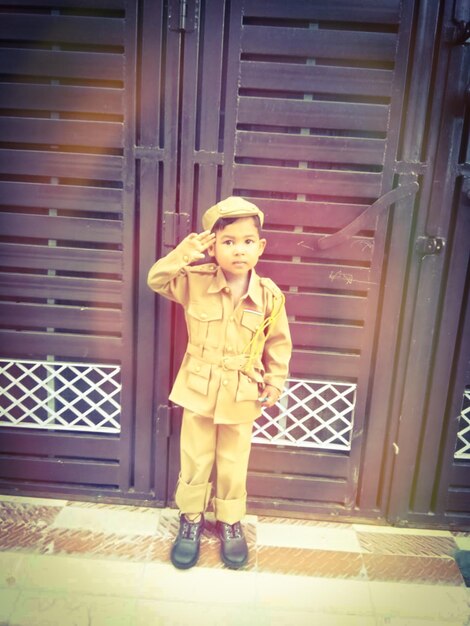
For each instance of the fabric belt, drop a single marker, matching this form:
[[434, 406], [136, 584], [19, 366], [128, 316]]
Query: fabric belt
[[233, 362]]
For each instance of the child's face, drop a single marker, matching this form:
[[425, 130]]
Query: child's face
[[238, 247]]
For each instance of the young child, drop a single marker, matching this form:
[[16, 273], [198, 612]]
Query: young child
[[235, 363]]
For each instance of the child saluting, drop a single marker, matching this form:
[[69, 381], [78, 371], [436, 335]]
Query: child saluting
[[236, 363]]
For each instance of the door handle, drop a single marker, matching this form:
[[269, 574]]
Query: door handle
[[400, 192]]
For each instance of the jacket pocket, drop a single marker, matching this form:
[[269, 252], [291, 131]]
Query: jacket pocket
[[199, 374], [252, 320], [201, 318], [248, 388]]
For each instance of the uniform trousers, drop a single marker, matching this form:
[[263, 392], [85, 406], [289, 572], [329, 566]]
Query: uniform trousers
[[202, 444]]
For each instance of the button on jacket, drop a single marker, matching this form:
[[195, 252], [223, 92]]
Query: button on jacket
[[215, 378]]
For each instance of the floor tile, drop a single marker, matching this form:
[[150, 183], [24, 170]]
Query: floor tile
[[168, 523], [11, 569], [393, 530], [110, 611], [314, 594], [43, 608], [198, 584], [82, 575], [311, 537], [99, 544], [49, 609], [164, 613], [159, 550], [110, 506], [26, 536], [312, 618], [303, 522], [73, 563], [12, 512], [419, 545], [23, 500], [310, 562], [430, 570], [8, 600], [411, 621], [112, 521], [393, 600]]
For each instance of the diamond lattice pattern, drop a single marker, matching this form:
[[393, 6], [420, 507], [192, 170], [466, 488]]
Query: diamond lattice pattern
[[462, 450], [310, 414], [60, 396]]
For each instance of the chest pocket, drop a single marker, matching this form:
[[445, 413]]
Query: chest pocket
[[252, 320], [203, 318]]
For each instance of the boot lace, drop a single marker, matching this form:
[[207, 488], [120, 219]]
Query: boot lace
[[233, 531], [190, 530]]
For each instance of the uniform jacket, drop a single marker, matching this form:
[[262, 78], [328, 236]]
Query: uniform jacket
[[211, 380]]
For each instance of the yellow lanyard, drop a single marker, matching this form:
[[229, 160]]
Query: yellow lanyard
[[255, 348]]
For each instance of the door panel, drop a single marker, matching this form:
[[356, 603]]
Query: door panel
[[431, 471], [121, 122], [68, 217], [305, 105]]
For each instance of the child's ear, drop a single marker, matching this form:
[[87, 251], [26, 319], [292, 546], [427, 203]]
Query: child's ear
[[262, 246], [211, 250]]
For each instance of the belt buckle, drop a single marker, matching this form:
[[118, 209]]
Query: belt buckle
[[237, 362]]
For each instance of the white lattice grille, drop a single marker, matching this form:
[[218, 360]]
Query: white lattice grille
[[462, 450], [60, 396], [309, 414]]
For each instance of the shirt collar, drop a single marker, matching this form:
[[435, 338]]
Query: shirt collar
[[254, 291], [218, 283]]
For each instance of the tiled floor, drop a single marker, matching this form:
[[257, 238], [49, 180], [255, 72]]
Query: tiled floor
[[78, 564]]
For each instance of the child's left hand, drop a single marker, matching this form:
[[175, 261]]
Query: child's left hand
[[269, 396]]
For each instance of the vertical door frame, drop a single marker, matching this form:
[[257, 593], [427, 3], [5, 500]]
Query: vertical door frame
[[415, 423], [156, 153]]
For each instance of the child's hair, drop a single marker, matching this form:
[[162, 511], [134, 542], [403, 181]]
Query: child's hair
[[222, 222]]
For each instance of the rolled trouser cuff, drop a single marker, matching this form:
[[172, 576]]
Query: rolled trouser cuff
[[192, 499], [230, 511]]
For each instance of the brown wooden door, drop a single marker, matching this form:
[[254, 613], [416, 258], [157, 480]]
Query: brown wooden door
[[298, 107], [120, 123], [84, 149]]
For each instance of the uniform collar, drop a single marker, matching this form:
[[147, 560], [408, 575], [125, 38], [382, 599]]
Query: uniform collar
[[254, 292]]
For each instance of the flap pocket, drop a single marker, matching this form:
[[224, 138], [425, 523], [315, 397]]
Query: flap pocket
[[204, 313], [199, 367], [199, 374], [252, 320], [202, 318]]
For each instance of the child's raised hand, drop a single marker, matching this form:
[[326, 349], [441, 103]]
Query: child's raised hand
[[194, 245]]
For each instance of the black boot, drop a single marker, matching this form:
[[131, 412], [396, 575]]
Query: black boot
[[185, 550], [233, 548]]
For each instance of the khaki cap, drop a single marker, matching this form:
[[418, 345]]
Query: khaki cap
[[234, 206]]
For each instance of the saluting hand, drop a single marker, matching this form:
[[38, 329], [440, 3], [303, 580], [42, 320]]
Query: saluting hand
[[193, 246]]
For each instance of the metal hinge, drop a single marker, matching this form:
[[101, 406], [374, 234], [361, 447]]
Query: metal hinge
[[183, 15], [427, 245], [459, 34], [175, 228], [466, 185]]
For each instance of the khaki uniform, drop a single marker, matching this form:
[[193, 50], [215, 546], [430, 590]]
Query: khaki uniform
[[212, 382]]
